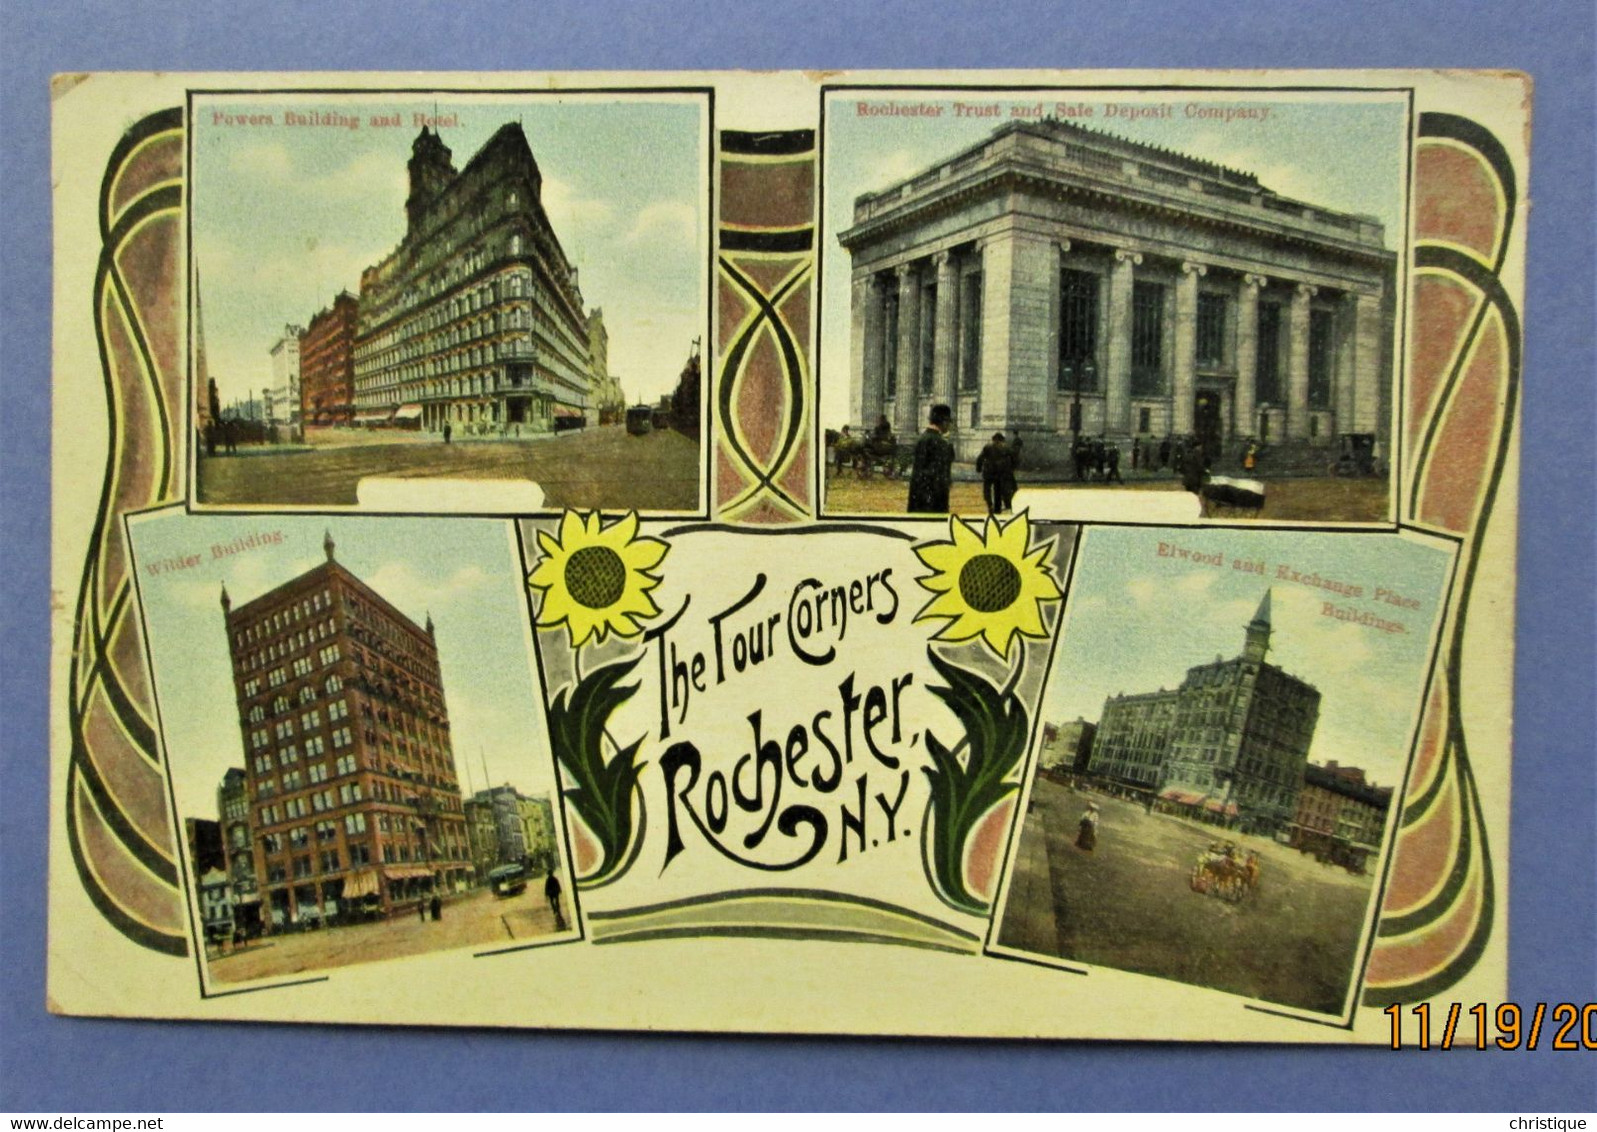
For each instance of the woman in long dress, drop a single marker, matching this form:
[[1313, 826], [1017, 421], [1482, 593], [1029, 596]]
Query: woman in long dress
[[1087, 833]]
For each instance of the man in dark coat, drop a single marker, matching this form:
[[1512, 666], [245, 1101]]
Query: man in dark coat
[[934, 465], [997, 467]]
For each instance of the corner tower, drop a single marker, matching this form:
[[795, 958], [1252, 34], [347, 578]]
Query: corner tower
[[1257, 642], [432, 169]]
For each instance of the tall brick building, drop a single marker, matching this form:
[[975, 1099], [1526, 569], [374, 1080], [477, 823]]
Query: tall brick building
[[348, 764], [1051, 281], [327, 364], [476, 318], [1231, 742]]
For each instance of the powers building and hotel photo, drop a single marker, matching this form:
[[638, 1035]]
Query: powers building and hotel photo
[[1061, 284]]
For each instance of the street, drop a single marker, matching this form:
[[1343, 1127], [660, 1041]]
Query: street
[[1329, 499], [598, 467], [1128, 905], [479, 919]]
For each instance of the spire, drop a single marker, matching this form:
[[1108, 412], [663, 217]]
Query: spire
[[429, 622], [227, 602], [328, 544], [1257, 641]]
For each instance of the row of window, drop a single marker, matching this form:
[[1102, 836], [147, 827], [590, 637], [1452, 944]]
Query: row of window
[[289, 645], [281, 619]]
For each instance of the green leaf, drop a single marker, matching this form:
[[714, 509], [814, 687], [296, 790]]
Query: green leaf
[[602, 791], [996, 729]]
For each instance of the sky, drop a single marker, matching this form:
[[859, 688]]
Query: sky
[[286, 216], [1136, 621], [1349, 155], [465, 572]]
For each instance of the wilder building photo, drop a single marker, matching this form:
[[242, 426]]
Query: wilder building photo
[[1120, 289], [1224, 736], [477, 290], [356, 745]]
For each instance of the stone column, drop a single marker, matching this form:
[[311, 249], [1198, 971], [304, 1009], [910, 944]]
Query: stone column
[[1297, 366], [1367, 381], [1248, 354], [865, 353], [945, 347], [1345, 373], [1117, 352], [1185, 377], [907, 402]]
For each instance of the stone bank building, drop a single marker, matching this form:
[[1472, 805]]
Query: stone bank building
[[1053, 281]]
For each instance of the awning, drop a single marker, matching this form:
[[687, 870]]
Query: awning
[[373, 417], [567, 411], [408, 872], [359, 884], [1214, 807], [408, 413], [1181, 797]]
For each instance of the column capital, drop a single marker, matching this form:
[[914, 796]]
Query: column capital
[[1252, 280], [1198, 269], [1126, 255], [942, 259], [1063, 245], [1307, 290], [905, 271]]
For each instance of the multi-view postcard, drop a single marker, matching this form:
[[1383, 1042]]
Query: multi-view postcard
[[997, 554]]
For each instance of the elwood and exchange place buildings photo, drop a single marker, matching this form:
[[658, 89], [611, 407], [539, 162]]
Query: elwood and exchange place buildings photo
[[1052, 281]]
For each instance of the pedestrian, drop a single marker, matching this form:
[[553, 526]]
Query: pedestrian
[[421, 910], [933, 470], [551, 893], [438, 907], [997, 467], [1250, 456], [1112, 463], [447, 431], [1087, 829], [1136, 453], [1164, 452]]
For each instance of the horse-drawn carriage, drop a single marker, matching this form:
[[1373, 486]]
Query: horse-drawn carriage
[[869, 453], [1225, 871]]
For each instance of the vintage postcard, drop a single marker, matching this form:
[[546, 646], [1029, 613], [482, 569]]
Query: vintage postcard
[[1011, 554]]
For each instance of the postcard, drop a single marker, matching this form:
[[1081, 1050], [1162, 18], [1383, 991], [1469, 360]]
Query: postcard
[[997, 554]]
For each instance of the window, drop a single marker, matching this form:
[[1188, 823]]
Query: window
[[1268, 384], [285, 729], [355, 823], [328, 655], [302, 666], [333, 684], [268, 815], [1144, 420], [257, 714], [970, 332], [302, 867], [287, 755], [276, 677], [359, 854], [252, 687], [348, 793], [326, 830], [1147, 338], [294, 808], [330, 862], [292, 780], [310, 721], [313, 746], [307, 694], [1078, 331], [345, 764], [337, 710], [272, 842], [318, 773], [1211, 329], [280, 705], [263, 764], [266, 788], [1321, 353], [299, 837], [341, 738], [259, 739]]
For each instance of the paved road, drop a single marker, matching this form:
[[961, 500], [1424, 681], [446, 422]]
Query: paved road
[[1128, 905], [598, 467], [476, 920]]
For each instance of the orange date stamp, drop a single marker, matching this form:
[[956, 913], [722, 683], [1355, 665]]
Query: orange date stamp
[[1567, 1025]]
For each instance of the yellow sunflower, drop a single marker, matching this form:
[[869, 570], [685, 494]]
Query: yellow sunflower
[[990, 585], [596, 579]]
